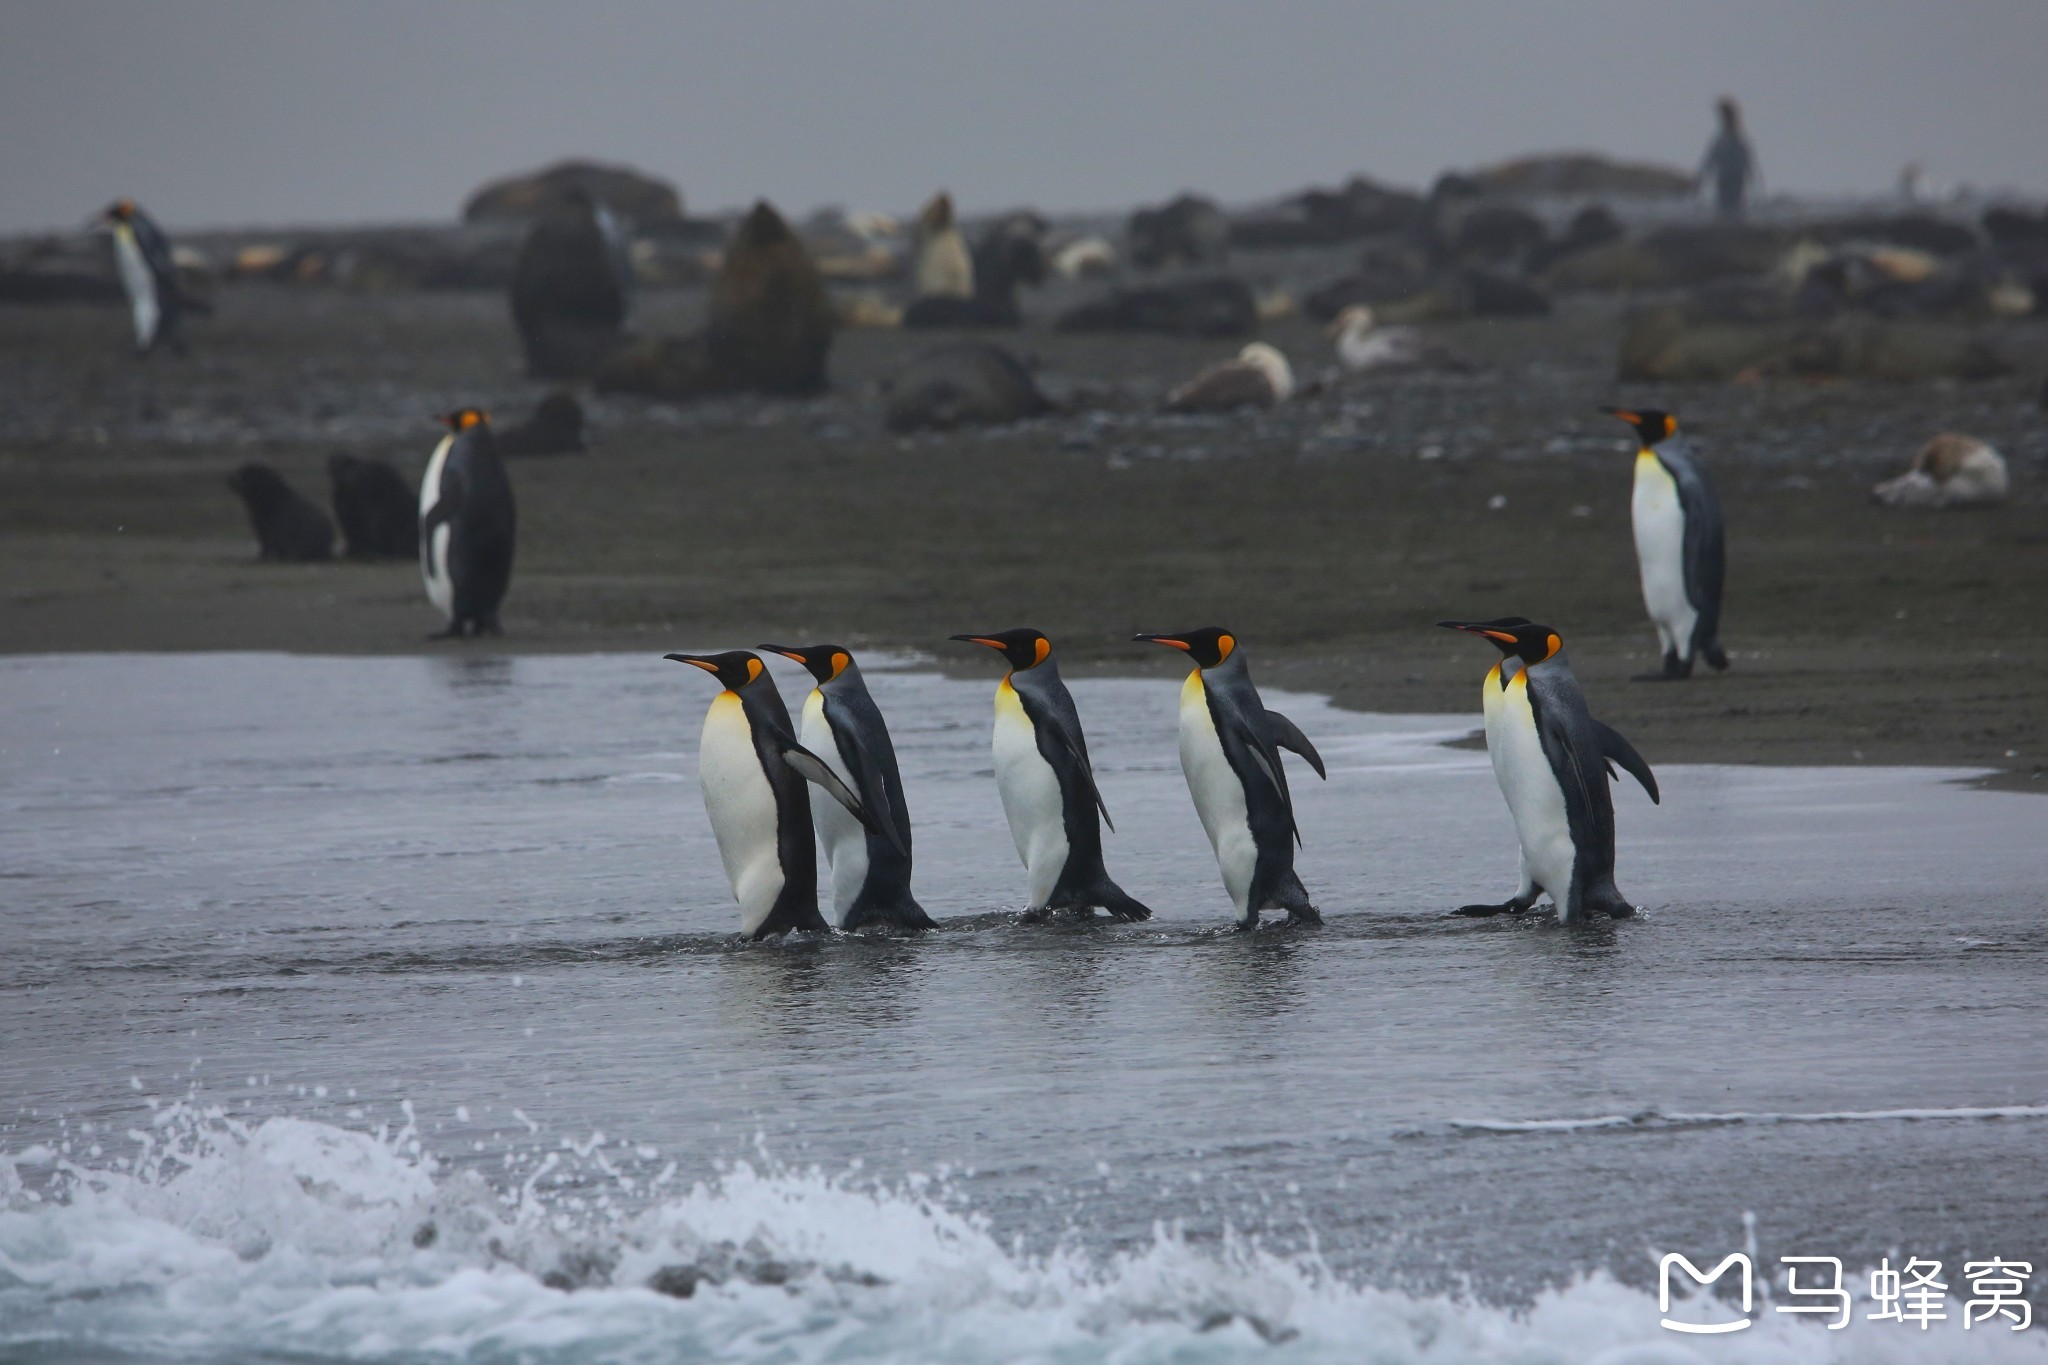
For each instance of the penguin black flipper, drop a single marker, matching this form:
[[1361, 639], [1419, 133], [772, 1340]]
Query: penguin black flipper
[[814, 769], [1618, 750], [1285, 734], [1065, 724], [874, 788], [1704, 550]]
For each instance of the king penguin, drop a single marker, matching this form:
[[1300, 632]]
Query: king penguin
[[1047, 784], [1553, 762], [150, 278], [844, 727], [1230, 753], [1679, 546], [753, 773], [467, 523]]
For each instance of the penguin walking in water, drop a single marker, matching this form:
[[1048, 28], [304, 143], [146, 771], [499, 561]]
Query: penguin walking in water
[[467, 523], [843, 727], [143, 255], [1553, 762], [1230, 753], [1047, 784], [754, 773], [1679, 546]]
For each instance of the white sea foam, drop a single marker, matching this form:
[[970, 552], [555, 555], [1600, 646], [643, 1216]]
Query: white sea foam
[[210, 1239]]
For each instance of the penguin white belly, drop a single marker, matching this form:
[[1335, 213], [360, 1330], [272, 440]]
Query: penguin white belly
[[741, 804], [1534, 797], [434, 553], [1660, 553], [1031, 797], [140, 284], [845, 840], [1218, 793]]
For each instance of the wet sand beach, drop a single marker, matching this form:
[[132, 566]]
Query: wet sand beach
[[1330, 533]]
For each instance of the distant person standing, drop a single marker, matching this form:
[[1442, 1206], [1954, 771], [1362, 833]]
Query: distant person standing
[[1730, 165]]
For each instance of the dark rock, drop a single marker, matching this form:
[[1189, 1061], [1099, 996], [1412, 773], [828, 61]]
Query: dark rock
[[570, 289], [1674, 256], [676, 1281], [1382, 278], [1496, 233], [524, 198], [964, 383], [1571, 174], [1669, 344], [378, 510], [1319, 217], [1189, 231], [1210, 306], [1492, 294], [555, 428], [2007, 226], [1592, 226], [288, 527]]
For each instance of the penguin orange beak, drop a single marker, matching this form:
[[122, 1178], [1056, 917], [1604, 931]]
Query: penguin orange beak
[[1624, 414], [980, 640], [1164, 640], [704, 664], [784, 650], [1471, 629]]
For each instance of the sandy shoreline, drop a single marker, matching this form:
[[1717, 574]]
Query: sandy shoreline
[[1330, 534]]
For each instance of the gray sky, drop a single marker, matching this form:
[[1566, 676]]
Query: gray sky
[[227, 112]]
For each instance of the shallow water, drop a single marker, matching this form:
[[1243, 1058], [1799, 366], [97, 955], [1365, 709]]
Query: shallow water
[[356, 1007]]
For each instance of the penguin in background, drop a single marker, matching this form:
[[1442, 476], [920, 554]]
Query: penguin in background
[[1553, 762], [753, 772], [1230, 753], [1048, 787], [148, 275], [467, 526], [1679, 545], [844, 727]]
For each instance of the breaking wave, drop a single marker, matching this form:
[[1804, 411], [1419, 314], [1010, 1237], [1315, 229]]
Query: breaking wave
[[207, 1238]]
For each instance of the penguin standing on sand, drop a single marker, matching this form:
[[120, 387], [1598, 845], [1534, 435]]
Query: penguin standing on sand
[[467, 523], [1230, 753], [1048, 787], [143, 255], [1679, 546], [1553, 762], [753, 773], [844, 727]]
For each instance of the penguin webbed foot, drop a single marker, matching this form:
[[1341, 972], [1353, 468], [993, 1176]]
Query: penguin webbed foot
[[1716, 657], [1506, 907]]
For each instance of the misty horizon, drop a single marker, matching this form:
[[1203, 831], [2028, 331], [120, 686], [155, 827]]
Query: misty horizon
[[236, 112]]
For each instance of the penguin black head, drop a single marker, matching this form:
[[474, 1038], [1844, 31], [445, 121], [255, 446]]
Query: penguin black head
[[1651, 425], [735, 668], [462, 419], [1207, 647], [1023, 648], [826, 662], [1514, 636]]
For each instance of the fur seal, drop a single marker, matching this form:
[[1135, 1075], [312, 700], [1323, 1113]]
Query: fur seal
[[571, 287], [378, 510], [1259, 377], [555, 428], [942, 267], [1011, 252], [1952, 470], [1190, 231], [963, 383], [288, 526]]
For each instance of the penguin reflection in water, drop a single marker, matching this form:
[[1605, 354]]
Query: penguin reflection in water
[[1047, 784], [1230, 753], [1553, 762], [1679, 546], [844, 728], [467, 523], [753, 773]]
